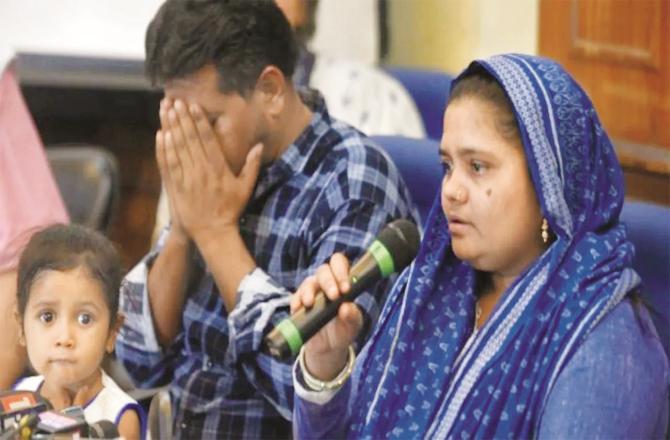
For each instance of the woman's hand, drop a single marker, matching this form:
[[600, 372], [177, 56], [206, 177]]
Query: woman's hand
[[326, 352]]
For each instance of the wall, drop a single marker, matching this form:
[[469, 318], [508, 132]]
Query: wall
[[448, 34], [348, 29], [107, 28], [115, 28]]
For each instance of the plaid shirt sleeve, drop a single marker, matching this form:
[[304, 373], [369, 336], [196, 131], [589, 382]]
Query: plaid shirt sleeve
[[137, 345], [263, 303]]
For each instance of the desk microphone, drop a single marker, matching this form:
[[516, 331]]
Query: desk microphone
[[393, 249]]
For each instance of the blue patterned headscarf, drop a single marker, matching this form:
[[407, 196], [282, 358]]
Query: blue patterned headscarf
[[421, 375]]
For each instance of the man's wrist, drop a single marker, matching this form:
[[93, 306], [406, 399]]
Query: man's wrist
[[178, 236], [207, 236]]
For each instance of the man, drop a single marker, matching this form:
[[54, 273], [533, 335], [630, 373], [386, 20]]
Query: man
[[363, 96], [263, 186]]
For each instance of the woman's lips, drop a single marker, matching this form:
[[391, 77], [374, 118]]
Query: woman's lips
[[457, 226]]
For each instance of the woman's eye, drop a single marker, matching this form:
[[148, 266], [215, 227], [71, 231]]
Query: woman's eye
[[46, 317], [446, 166], [85, 318], [478, 167]]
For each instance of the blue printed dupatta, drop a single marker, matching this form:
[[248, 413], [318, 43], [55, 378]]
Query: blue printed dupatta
[[421, 375]]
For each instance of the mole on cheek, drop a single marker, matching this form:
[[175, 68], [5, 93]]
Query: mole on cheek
[[488, 192]]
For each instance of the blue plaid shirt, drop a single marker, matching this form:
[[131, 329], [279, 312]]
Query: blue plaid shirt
[[331, 190]]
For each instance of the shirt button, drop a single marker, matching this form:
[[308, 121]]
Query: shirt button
[[183, 426]]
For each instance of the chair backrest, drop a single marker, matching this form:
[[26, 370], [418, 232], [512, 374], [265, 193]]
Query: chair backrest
[[429, 89], [87, 177], [160, 416], [419, 165], [649, 230]]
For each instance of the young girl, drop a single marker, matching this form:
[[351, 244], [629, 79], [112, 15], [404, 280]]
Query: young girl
[[68, 297]]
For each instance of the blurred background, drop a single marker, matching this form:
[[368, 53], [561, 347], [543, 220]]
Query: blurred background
[[79, 65]]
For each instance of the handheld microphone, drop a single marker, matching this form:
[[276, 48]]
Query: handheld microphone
[[393, 249]]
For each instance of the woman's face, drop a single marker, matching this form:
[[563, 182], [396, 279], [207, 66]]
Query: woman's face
[[487, 194]]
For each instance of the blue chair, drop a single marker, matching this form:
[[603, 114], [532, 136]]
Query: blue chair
[[419, 165], [649, 230], [429, 89]]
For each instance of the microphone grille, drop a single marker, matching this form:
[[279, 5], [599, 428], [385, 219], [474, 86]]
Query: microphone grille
[[401, 239]]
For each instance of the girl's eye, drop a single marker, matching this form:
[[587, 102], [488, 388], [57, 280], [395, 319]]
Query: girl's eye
[[46, 317], [85, 318]]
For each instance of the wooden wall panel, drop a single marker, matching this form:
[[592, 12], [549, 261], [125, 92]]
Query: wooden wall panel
[[625, 31], [619, 51]]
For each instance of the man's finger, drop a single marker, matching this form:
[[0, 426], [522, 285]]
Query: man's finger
[[251, 168], [172, 161], [190, 133], [163, 167], [160, 155], [210, 143], [182, 149], [163, 108]]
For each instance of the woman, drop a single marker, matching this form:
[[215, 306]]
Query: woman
[[517, 318]]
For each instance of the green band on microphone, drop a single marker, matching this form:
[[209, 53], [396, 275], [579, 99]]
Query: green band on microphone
[[290, 332], [383, 258]]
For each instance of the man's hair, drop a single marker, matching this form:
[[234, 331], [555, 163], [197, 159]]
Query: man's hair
[[238, 37], [66, 247]]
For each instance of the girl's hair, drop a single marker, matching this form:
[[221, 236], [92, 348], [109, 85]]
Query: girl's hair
[[478, 83], [66, 247]]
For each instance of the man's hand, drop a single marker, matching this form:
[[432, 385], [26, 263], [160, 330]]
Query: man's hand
[[176, 230], [206, 197]]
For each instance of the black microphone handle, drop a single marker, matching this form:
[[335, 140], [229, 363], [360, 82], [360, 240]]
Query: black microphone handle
[[309, 321], [393, 249]]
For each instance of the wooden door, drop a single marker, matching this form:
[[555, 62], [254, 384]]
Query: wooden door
[[619, 51]]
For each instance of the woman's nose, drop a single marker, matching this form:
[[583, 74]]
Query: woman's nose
[[453, 190]]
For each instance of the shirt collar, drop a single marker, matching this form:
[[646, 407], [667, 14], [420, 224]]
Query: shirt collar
[[293, 160]]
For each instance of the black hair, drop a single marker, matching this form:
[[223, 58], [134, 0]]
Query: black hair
[[239, 38], [478, 83], [66, 247]]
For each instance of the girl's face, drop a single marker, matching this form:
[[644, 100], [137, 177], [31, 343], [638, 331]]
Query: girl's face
[[66, 327], [487, 194]]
